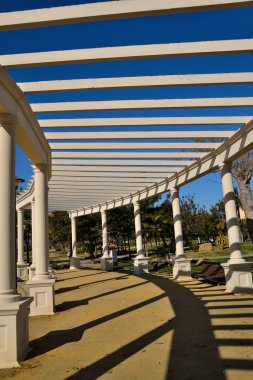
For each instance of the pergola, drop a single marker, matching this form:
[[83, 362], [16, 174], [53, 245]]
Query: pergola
[[89, 165]]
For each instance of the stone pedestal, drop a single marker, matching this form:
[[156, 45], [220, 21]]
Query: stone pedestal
[[43, 296], [238, 277], [106, 263], [140, 265], [14, 339], [22, 270], [114, 255], [31, 272], [74, 263], [181, 269]]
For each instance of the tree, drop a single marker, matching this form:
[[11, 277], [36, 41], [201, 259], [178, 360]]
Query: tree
[[60, 229], [242, 170]]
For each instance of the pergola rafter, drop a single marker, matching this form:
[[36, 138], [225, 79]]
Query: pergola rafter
[[121, 53], [136, 82]]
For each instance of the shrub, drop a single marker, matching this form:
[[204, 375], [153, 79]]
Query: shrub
[[221, 241], [194, 245]]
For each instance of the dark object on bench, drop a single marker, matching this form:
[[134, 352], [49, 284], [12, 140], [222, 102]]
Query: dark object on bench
[[212, 273]]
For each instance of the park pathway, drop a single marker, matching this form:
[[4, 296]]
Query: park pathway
[[114, 325]]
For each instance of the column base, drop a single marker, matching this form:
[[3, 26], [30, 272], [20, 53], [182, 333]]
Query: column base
[[74, 263], [31, 271], [238, 277], [43, 296], [106, 264], [22, 270], [181, 269], [14, 338], [140, 265], [114, 255]]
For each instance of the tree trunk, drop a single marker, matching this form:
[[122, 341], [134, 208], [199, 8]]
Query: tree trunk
[[246, 198]]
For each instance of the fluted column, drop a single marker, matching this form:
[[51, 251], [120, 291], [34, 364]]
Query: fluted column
[[73, 233], [138, 233], [41, 222], [231, 214], [7, 211], [177, 223], [104, 233]]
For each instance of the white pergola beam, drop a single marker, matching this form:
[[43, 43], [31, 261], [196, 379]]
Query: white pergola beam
[[103, 162], [136, 145], [79, 180], [105, 169], [107, 11], [120, 53], [143, 121], [141, 155], [136, 82], [143, 104], [135, 135], [82, 187], [238, 144], [103, 174]]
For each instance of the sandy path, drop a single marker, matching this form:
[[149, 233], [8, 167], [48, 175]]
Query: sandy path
[[118, 326]]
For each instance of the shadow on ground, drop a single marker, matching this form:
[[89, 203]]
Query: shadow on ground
[[194, 353]]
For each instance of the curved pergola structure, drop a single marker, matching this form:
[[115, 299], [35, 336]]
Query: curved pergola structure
[[96, 164]]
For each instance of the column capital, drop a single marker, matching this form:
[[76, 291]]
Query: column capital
[[37, 168], [7, 120], [224, 165], [174, 190], [20, 211]]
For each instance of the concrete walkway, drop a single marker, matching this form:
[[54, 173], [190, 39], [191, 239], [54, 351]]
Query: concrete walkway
[[121, 327]]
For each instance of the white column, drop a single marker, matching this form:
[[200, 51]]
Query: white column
[[41, 285], [231, 215], [41, 222], [33, 234], [33, 265], [138, 234], [140, 261], [181, 265], [177, 223], [20, 220], [13, 309], [7, 211], [237, 272], [73, 232], [104, 233]]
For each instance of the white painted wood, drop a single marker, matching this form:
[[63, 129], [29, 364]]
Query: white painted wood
[[127, 155], [136, 82], [104, 174], [102, 162], [145, 104], [239, 143], [105, 169], [116, 53], [108, 10], [135, 135], [142, 121], [136, 145]]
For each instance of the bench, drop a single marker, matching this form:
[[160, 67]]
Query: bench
[[212, 273]]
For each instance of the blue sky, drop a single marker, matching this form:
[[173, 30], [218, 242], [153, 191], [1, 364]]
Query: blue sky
[[213, 25]]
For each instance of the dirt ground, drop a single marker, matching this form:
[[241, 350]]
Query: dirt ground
[[120, 327]]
